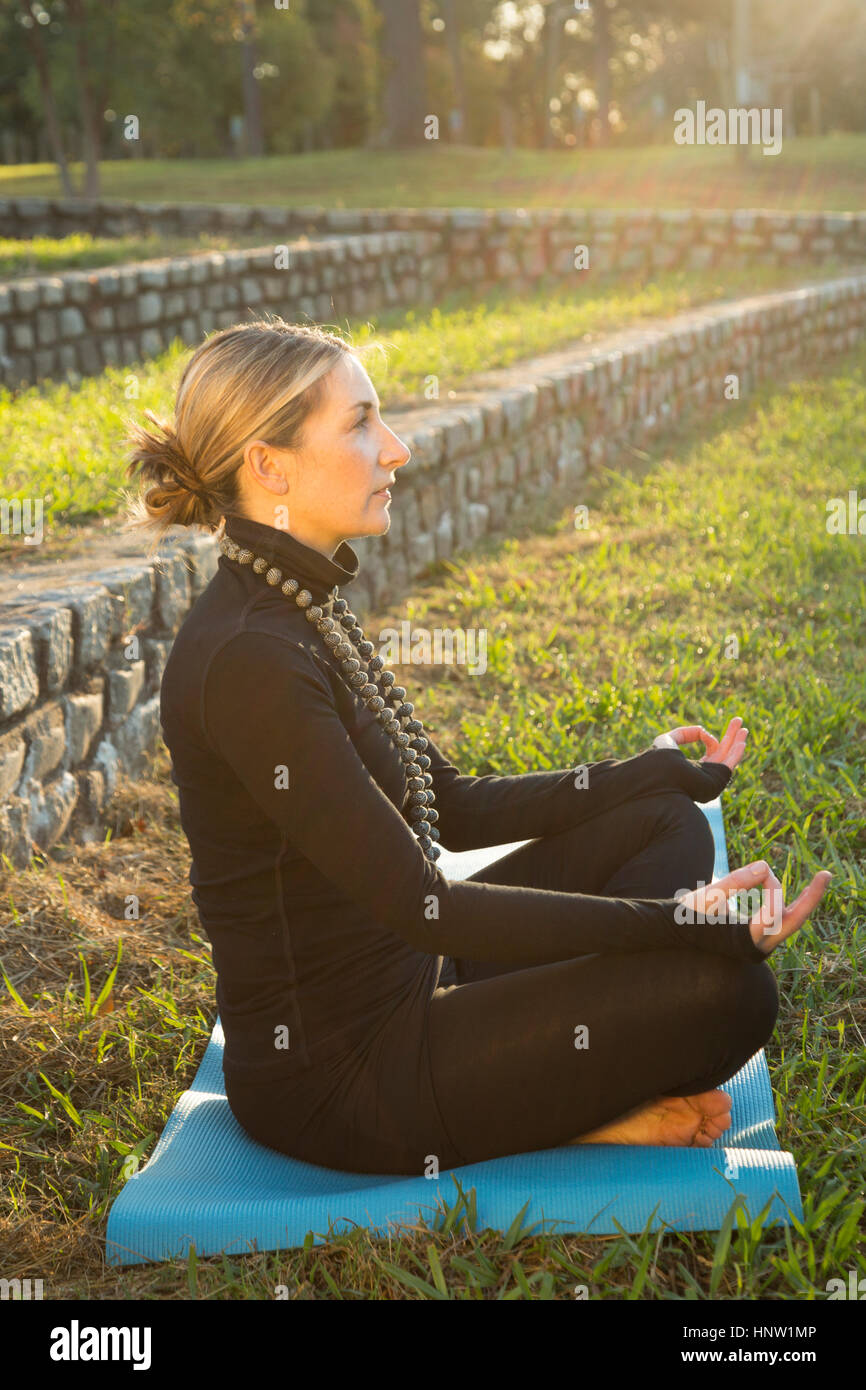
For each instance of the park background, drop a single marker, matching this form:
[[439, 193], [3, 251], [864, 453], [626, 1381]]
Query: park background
[[597, 638]]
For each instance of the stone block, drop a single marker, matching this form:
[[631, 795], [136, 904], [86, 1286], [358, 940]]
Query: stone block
[[51, 806], [172, 588], [15, 831], [125, 684], [72, 323], [13, 751], [19, 679], [149, 307], [136, 737], [45, 735], [84, 712]]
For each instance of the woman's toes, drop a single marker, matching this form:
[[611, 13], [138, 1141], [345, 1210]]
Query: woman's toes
[[713, 1102]]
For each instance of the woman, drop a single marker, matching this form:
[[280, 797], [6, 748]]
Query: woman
[[379, 1018]]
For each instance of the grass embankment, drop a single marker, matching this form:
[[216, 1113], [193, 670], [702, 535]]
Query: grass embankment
[[808, 174], [80, 251], [596, 640], [68, 442]]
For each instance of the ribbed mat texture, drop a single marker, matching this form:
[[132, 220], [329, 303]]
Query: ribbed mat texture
[[207, 1184]]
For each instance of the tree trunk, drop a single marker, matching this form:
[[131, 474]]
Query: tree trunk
[[601, 21], [253, 126], [742, 60], [458, 126], [90, 128], [405, 85], [506, 124], [33, 36], [551, 37]]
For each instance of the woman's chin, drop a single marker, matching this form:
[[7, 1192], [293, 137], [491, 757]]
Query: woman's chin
[[375, 525]]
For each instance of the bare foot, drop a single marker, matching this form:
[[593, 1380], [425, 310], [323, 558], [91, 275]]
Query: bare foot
[[681, 1121]]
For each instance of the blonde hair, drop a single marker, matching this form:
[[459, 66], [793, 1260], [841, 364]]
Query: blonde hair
[[252, 380]]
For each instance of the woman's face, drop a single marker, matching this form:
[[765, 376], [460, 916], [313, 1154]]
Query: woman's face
[[348, 454]]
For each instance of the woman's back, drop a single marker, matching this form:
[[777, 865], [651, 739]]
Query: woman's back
[[303, 969]]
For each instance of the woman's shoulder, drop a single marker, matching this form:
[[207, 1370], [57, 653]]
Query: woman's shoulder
[[259, 678], [265, 649]]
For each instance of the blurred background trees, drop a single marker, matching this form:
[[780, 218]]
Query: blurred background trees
[[84, 80]]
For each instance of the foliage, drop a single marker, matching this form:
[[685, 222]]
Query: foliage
[[177, 65]]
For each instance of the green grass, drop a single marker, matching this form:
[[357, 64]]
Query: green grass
[[807, 174], [597, 639], [81, 251], [70, 439]]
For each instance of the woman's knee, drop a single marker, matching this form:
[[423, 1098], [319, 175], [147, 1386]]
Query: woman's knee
[[763, 1000], [737, 1004], [677, 814], [744, 1000]]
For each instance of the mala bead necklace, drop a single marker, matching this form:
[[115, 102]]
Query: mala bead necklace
[[363, 671]]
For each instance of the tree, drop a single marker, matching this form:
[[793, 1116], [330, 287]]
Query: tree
[[252, 91], [452, 38], [92, 99], [346, 32], [32, 26], [405, 98], [91, 34]]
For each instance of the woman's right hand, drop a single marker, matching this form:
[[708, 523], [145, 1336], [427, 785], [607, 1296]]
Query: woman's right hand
[[772, 922]]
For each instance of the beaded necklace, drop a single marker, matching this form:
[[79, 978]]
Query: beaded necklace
[[362, 671]]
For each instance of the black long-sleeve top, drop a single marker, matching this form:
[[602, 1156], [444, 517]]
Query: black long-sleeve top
[[322, 909]]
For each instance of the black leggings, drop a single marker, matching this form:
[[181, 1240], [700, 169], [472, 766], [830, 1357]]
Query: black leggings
[[507, 1073], [485, 1063]]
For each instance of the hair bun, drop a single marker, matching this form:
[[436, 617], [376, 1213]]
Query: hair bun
[[173, 458]]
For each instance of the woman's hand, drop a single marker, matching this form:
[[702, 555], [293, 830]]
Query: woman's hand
[[729, 751], [772, 922]]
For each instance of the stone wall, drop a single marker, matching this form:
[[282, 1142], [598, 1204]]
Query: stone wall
[[80, 665], [366, 260], [468, 231], [75, 324]]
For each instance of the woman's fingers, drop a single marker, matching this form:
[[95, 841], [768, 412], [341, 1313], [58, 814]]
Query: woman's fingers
[[771, 921], [769, 915], [709, 741], [729, 737], [729, 751], [713, 897], [749, 876], [687, 733], [732, 746], [785, 921]]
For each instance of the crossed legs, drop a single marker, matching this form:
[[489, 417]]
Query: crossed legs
[[533, 1058]]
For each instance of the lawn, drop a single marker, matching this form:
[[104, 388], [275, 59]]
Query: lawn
[[596, 640], [81, 251], [67, 442], [807, 175]]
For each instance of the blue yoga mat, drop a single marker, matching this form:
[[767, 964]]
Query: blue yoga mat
[[207, 1184]]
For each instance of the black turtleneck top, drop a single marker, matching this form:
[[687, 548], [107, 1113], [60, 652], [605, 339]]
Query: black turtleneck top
[[322, 909]]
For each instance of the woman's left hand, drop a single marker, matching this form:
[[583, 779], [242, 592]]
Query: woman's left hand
[[729, 751]]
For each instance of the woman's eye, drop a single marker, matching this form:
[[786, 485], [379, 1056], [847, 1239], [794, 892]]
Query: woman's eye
[[361, 423]]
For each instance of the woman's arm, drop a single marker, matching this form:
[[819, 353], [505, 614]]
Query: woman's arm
[[269, 711], [491, 809]]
